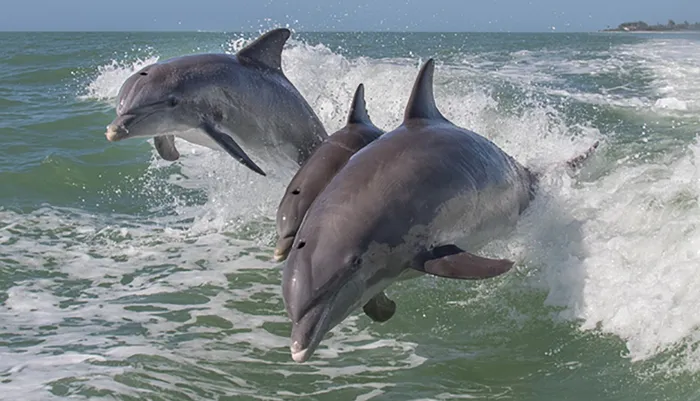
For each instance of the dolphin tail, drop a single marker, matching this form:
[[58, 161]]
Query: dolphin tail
[[573, 165], [577, 162]]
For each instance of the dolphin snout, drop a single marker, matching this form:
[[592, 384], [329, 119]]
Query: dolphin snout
[[283, 247], [116, 132], [299, 353], [307, 333], [117, 129]]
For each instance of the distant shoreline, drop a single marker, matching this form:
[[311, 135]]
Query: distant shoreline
[[633, 32], [643, 27]]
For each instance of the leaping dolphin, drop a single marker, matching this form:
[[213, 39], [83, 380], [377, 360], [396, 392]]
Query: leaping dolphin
[[418, 200], [242, 103], [318, 170]]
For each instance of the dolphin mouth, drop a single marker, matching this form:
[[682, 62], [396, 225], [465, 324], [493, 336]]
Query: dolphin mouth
[[299, 355], [116, 133], [308, 332], [327, 312], [284, 245], [117, 130]]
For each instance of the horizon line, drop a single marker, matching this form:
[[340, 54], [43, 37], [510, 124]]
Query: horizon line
[[291, 29]]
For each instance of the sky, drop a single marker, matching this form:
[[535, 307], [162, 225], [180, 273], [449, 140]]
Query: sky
[[339, 15]]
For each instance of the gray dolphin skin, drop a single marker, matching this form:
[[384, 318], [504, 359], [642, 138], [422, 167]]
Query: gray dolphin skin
[[415, 201], [318, 170], [224, 102]]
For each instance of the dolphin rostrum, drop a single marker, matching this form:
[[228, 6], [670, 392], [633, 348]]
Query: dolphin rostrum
[[221, 101], [420, 199], [318, 170]]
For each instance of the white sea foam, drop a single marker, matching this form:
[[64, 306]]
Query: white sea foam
[[620, 253], [675, 67], [117, 294]]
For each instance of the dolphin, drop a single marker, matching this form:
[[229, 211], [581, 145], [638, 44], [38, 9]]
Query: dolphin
[[318, 170], [421, 199], [221, 101]]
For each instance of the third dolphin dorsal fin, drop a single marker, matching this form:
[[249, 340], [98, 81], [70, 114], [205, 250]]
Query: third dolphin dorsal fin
[[358, 108], [421, 104], [267, 49]]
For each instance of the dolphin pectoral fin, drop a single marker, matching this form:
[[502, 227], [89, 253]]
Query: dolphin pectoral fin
[[231, 147], [452, 262], [380, 308], [165, 146]]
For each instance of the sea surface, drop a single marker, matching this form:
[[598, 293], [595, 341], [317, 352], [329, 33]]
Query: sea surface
[[126, 277]]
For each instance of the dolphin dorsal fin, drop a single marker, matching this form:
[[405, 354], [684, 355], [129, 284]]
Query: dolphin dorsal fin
[[422, 101], [358, 108], [267, 49]]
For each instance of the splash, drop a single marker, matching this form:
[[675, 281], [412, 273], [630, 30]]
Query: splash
[[110, 77], [619, 254]]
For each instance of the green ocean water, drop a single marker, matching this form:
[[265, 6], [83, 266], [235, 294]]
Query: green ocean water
[[126, 277]]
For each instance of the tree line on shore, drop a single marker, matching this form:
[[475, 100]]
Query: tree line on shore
[[643, 26]]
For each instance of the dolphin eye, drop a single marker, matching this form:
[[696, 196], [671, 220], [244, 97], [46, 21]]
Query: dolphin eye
[[143, 73], [296, 191], [353, 260], [172, 101], [301, 244]]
